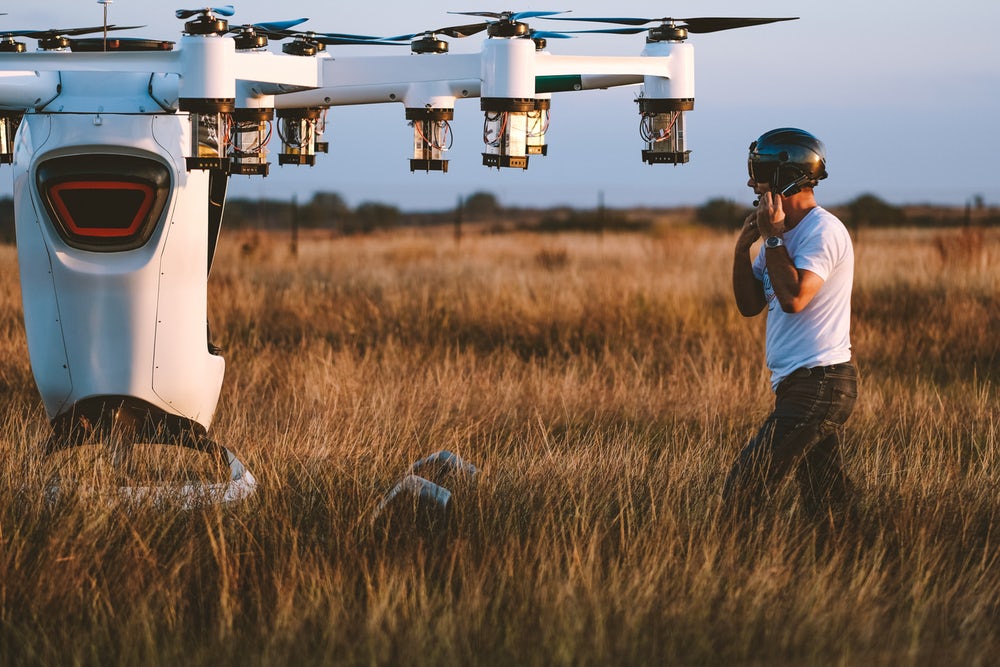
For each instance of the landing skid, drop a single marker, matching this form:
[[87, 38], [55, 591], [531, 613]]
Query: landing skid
[[117, 428], [189, 494], [241, 485]]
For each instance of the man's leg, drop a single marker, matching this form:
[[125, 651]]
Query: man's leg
[[823, 483], [799, 420]]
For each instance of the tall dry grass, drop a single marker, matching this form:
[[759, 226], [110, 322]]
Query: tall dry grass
[[602, 385]]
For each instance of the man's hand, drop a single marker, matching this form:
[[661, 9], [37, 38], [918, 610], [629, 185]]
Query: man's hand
[[748, 233], [770, 215]]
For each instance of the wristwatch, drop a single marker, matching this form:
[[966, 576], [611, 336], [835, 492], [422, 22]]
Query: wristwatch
[[774, 242]]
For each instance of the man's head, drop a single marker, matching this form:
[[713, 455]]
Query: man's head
[[787, 160]]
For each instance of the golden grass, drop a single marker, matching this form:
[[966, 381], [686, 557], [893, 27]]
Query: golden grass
[[602, 384]]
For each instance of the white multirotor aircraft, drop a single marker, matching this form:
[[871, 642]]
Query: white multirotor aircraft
[[121, 152]]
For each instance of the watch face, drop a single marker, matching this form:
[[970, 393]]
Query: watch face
[[773, 241]]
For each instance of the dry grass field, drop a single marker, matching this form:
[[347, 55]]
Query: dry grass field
[[602, 384]]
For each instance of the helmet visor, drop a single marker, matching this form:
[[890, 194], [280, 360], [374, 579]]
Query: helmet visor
[[762, 171]]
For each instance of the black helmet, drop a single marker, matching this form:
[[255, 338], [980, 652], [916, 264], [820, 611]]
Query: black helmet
[[788, 159]]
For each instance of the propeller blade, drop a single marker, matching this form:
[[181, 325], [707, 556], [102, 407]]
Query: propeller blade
[[66, 32], [517, 16], [618, 21], [487, 15], [700, 24], [608, 31], [284, 33], [463, 30], [328, 38], [714, 24], [457, 31], [344, 35], [339, 41], [510, 16], [545, 34], [276, 25], [226, 10]]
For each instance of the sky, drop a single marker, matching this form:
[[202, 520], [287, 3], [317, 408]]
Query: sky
[[904, 93]]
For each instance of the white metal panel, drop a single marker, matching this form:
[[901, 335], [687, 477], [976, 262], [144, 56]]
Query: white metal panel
[[186, 377], [679, 84], [508, 68]]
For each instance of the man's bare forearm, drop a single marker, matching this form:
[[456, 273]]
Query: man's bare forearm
[[749, 291]]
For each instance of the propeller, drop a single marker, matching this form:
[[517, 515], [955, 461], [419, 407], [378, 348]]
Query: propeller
[[509, 16], [52, 38], [255, 35], [702, 24], [226, 10], [267, 26], [52, 33], [456, 31], [326, 38], [309, 43], [504, 24], [427, 41]]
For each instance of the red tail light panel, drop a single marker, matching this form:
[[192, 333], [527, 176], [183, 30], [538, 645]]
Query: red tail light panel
[[104, 203]]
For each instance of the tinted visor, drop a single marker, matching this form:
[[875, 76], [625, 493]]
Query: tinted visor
[[762, 172]]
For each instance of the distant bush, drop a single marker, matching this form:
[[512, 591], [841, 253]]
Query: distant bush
[[481, 206], [603, 220], [370, 216], [326, 210], [721, 214], [871, 211]]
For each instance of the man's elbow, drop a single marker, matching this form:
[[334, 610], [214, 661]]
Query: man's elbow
[[793, 306], [750, 309]]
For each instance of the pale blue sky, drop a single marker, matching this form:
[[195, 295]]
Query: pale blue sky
[[905, 93]]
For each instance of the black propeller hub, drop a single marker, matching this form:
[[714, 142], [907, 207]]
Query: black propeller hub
[[667, 33], [302, 47], [507, 28], [249, 40], [429, 44], [206, 24], [8, 45], [54, 43]]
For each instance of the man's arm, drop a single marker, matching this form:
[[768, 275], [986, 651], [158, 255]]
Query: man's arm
[[793, 287], [749, 291]]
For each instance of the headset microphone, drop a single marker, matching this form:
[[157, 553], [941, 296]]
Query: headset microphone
[[795, 186]]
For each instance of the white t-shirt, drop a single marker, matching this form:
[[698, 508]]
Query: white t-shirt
[[819, 335]]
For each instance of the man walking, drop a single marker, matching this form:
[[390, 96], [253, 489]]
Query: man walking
[[802, 275]]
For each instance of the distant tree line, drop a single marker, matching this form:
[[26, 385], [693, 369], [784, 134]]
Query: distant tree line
[[329, 211], [865, 211], [326, 210]]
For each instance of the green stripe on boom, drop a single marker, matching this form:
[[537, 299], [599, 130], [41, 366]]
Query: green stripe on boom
[[558, 84]]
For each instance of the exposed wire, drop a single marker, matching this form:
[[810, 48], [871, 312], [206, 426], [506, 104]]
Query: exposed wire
[[291, 133], [543, 115], [433, 142], [653, 135], [501, 117], [255, 149]]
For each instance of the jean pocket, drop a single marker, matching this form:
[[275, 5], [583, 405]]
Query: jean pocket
[[843, 395]]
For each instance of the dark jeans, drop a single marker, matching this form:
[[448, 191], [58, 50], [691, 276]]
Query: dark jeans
[[804, 433]]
